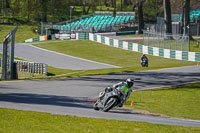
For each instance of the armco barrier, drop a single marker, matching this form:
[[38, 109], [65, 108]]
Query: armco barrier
[[125, 33], [41, 38], [30, 67], [82, 36], [78, 36], [166, 53]]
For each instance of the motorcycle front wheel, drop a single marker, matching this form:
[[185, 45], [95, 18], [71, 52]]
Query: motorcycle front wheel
[[110, 103], [95, 105]]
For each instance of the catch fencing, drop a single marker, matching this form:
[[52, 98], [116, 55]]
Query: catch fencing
[[167, 41], [155, 51], [8, 56], [176, 28]]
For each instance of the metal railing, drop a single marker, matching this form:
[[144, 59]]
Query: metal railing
[[29, 67], [8, 55], [167, 41]]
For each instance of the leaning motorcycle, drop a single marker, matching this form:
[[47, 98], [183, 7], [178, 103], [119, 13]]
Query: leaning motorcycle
[[109, 99]]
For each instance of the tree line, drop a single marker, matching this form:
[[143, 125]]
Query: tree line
[[27, 11], [59, 10]]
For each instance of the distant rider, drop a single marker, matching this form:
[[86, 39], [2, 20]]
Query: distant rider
[[144, 59], [124, 87]]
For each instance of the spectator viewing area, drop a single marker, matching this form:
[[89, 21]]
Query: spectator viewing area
[[98, 22]]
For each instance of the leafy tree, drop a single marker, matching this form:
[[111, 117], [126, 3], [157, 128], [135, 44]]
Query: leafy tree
[[139, 5], [186, 16], [114, 5], [167, 16], [151, 10], [140, 17], [44, 10], [7, 4]]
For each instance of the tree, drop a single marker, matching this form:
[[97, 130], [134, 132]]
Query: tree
[[44, 10], [7, 4], [186, 17], [127, 2], [84, 4], [140, 17], [139, 5], [28, 10], [134, 5], [167, 16], [114, 5], [92, 4], [121, 5]]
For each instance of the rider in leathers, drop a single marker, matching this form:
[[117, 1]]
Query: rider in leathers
[[144, 58], [125, 88]]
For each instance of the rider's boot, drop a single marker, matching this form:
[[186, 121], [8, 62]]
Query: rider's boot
[[120, 105]]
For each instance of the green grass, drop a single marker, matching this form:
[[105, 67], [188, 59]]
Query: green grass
[[52, 71], [13, 121], [127, 60], [24, 32], [180, 101], [193, 46]]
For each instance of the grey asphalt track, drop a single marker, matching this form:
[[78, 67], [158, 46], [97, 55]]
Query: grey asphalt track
[[75, 96], [38, 55]]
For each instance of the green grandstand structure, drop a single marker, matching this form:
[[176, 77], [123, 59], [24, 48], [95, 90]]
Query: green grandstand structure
[[97, 22]]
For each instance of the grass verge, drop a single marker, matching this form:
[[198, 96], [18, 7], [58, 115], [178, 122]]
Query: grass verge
[[127, 60], [180, 101], [24, 32], [194, 47], [14, 121]]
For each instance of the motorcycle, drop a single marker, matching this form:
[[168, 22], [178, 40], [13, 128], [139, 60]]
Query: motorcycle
[[109, 99], [144, 62]]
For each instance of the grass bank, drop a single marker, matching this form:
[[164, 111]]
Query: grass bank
[[24, 32], [194, 47], [180, 101], [14, 121], [127, 60]]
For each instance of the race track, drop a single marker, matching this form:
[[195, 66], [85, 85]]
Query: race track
[[75, 96], [54, 59]]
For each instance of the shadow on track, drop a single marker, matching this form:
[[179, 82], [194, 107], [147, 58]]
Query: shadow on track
[[77, 102], [143, 80], [134, 75]]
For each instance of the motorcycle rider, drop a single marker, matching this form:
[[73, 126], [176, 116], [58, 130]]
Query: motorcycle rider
[[124, 87], [144, 58]]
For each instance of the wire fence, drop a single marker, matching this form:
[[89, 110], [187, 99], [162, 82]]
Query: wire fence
[[8, 55], [31, 67], [25, 69], [175, 42]]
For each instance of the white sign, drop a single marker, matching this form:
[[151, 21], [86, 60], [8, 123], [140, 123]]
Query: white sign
[[65, 36], [73, 36]]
